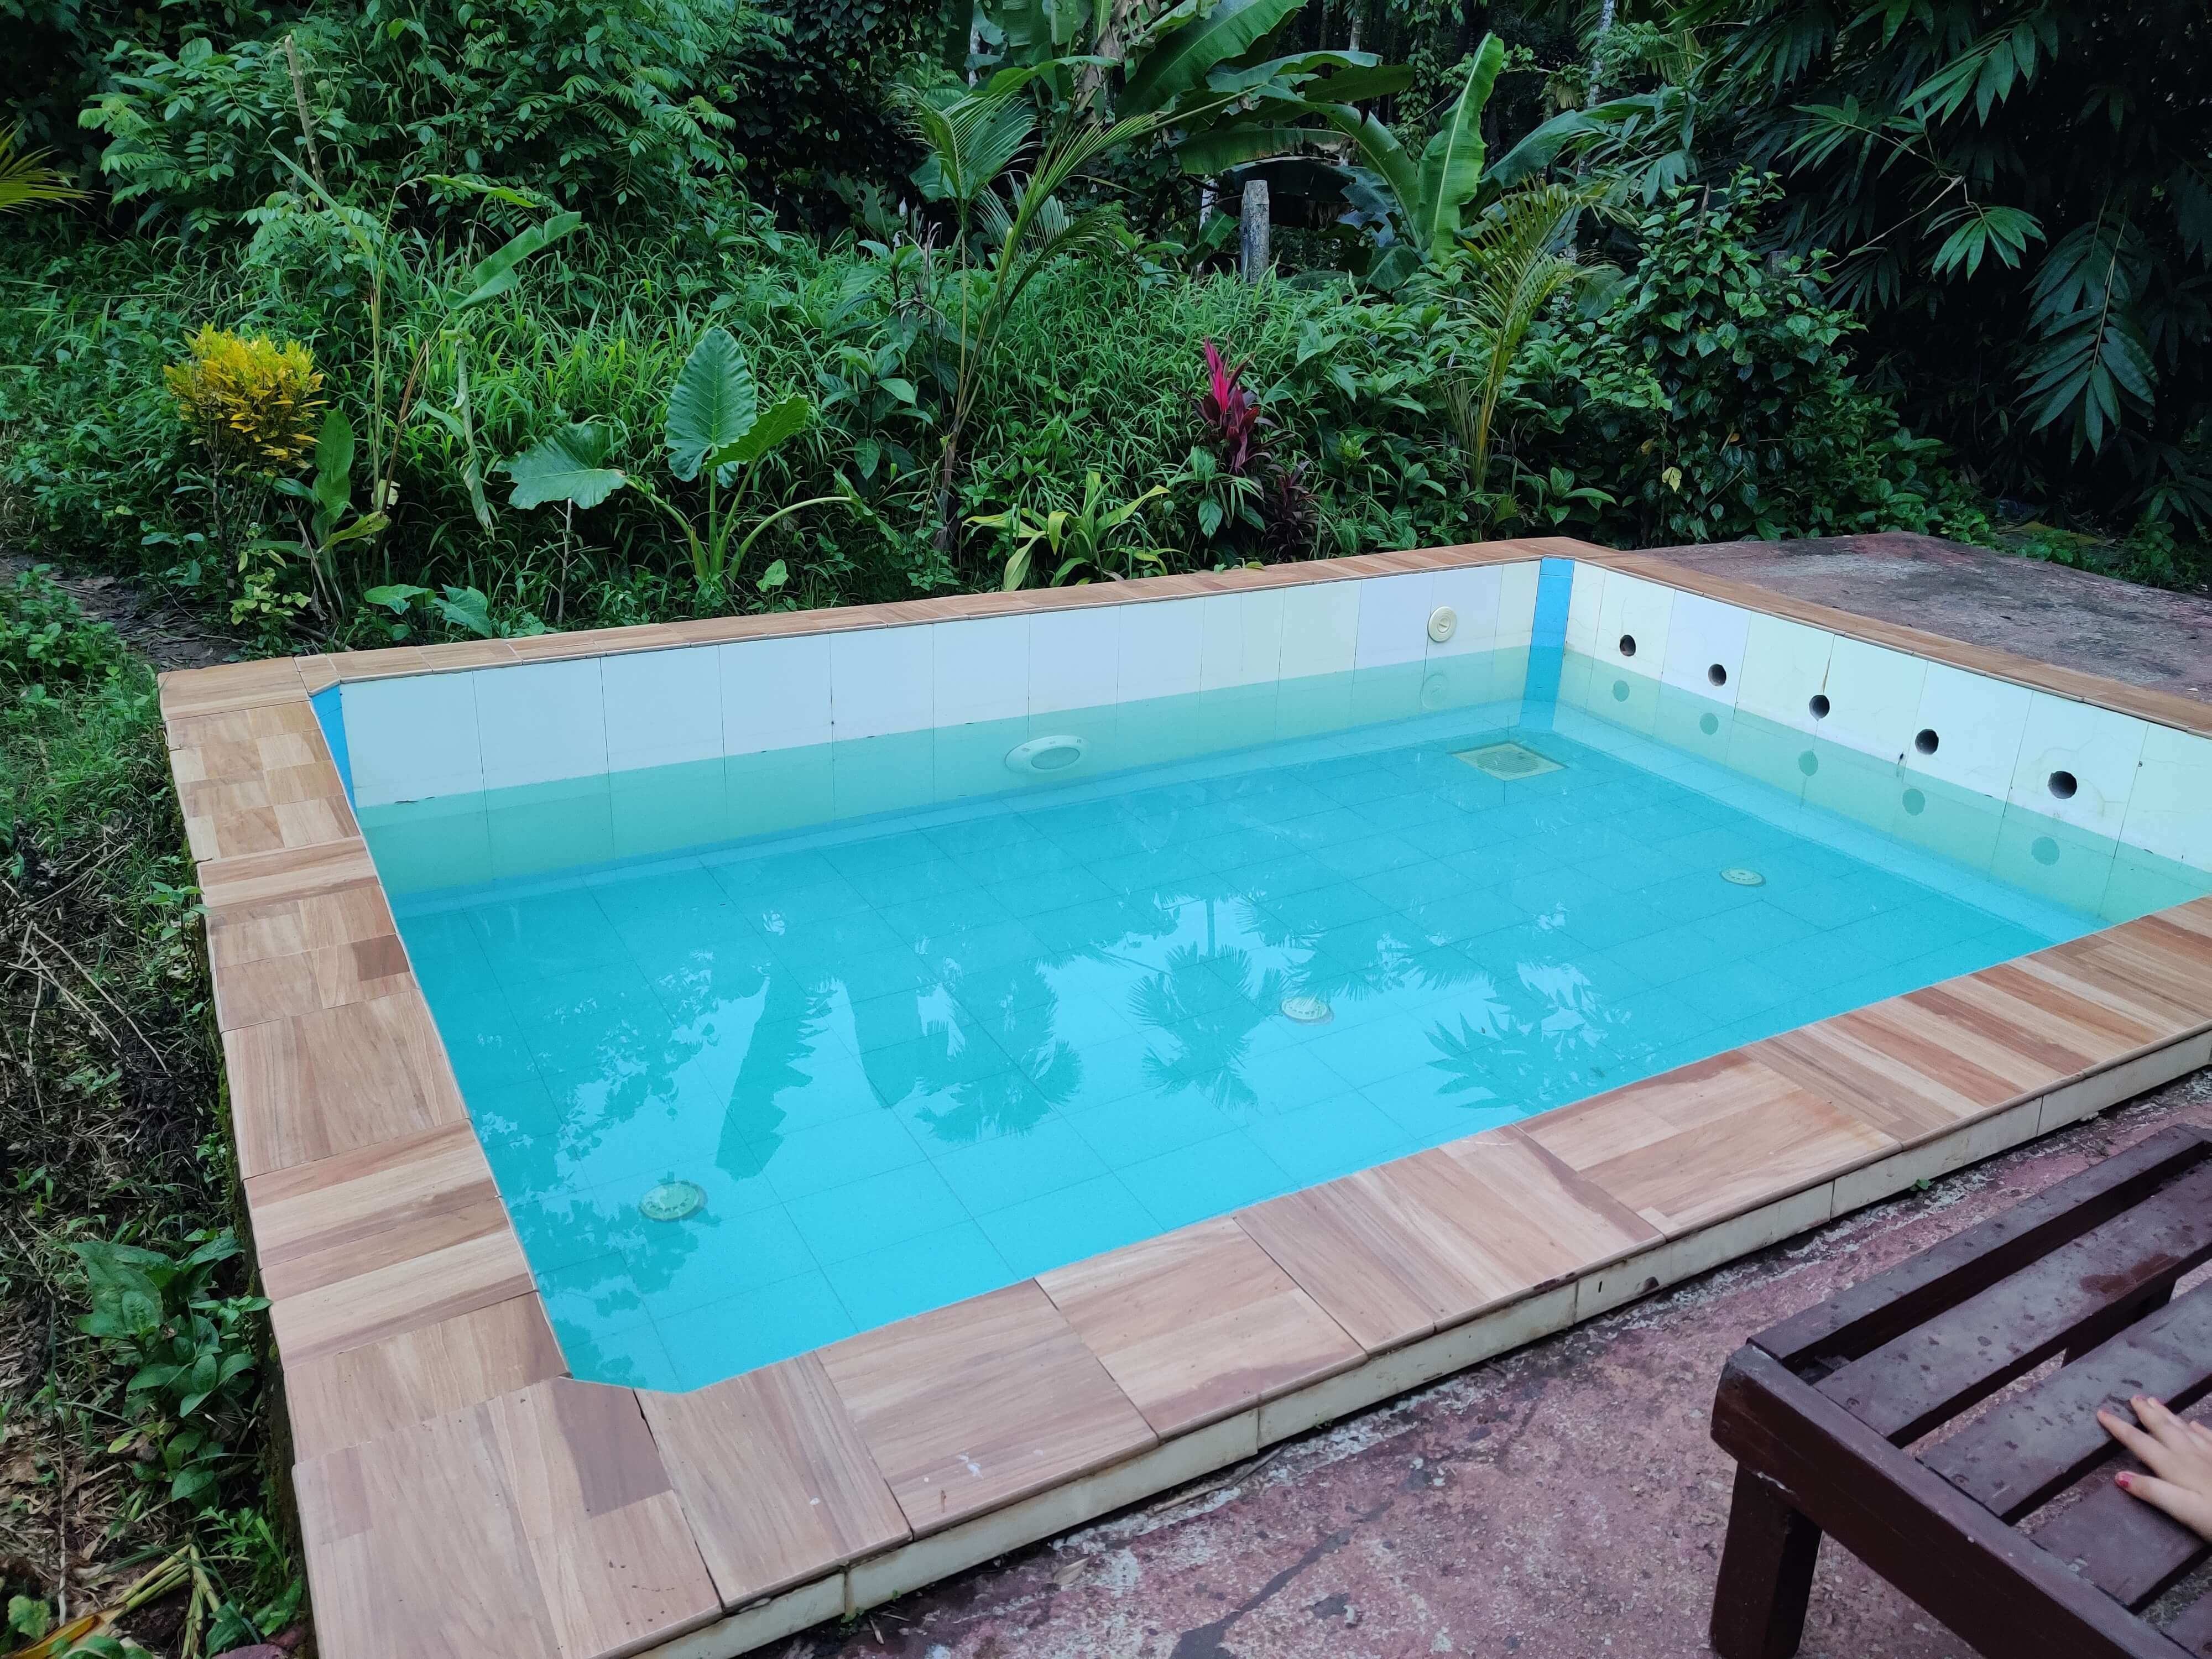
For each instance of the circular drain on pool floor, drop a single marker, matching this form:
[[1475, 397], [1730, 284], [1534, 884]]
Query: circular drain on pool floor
[[671, 1200], [1307, 1011], [1743, 878]]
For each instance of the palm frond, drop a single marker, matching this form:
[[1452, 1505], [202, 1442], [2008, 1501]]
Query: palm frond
[[25, 177]]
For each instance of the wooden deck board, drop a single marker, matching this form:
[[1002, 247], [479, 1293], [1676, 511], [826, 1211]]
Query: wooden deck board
[[227, 686], [292, 872], [319, 1223], [313, 1086], [1917, 1065], [971, 1406], [1407, 1247], [778, 1484], [378, 1388], [539, 1524], [1198, 1324], [1707, 1141]]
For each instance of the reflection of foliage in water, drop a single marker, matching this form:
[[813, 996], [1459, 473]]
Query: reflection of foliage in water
[[1206, 1002]]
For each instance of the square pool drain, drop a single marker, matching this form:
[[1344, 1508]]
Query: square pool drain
[[1508, 761]]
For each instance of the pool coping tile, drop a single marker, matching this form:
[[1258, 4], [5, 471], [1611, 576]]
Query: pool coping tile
[[1199, 1324], [459, 1492]]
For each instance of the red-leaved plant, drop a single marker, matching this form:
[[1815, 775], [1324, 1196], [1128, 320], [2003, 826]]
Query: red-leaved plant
[[1287, 514], [1232, 417]]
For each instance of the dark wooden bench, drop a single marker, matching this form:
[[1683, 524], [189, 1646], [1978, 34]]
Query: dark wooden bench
[[1820, 1411]]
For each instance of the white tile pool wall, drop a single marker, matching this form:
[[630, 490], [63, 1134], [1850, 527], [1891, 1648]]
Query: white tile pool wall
[[2139, 784], [423, 736]]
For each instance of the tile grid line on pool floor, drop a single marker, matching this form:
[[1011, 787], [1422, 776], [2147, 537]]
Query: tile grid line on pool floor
[[453, 1329], [1051, 1165]]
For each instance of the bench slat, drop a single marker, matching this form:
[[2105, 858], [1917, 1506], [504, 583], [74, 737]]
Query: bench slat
[[2121, 1543], [2032, 1448], [1862, 1318], [1927, 1375]]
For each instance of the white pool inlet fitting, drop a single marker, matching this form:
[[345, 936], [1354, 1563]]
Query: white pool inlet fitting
[[1307, 1011], [1743, 878], [1052, 754], [1443, 623], [672, 1200]]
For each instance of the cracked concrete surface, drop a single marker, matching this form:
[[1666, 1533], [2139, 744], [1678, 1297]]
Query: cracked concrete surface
[[1566, 1501]]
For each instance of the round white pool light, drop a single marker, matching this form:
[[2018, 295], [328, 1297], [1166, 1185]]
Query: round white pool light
[[1443, 623], [1052, 754]]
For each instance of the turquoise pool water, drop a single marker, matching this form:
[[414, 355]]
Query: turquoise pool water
[[949, 1044]]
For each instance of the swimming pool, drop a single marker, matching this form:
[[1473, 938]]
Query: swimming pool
[[818, 1013], [452, 1464]]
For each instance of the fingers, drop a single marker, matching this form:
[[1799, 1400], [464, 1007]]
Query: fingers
[[2143, 1445], [2192, 1509], [2159, 1494]]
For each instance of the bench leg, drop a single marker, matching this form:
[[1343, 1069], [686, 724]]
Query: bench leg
[[1767, 1573]]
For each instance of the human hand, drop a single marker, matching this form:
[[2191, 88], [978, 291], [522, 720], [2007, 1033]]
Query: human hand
[[2178, 1455]]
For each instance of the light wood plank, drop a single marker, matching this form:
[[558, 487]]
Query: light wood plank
[[1199, 1324], [1397, 1252], [229, 685], [316, 674], [313, 1085], [319, 1223], [292, 872], [539, 1524], [972, 1407], [1707, 1141], [1917, 1065], [377, 1388], [778, 1484], [473, 1271], [255, 992], [241, 934]]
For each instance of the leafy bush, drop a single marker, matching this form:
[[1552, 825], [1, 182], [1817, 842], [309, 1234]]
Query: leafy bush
[[618, 106], [190, 1352], [1713, 395], [44, 643]]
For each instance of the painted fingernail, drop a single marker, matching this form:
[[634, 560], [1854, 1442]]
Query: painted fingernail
[[2122, 1481]]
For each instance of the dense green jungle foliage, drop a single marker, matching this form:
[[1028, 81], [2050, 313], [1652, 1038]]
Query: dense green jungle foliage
[[1801, 246]]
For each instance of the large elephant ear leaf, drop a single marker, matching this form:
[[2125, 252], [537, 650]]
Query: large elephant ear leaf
[[777, 422], [569, 466], [714, 402], [1451, 167]]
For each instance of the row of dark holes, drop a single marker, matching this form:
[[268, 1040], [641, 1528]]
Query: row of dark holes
[[2063, 784]]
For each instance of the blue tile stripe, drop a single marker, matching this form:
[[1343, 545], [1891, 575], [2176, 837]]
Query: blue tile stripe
[[330, 715]]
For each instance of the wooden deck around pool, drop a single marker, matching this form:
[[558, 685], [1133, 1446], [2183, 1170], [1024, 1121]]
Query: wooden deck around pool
[[459, 1492]]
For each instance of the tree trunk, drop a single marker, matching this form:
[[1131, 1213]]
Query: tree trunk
[[1252, 229]]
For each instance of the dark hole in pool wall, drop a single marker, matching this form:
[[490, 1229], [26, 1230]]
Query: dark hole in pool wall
[[1927, 741], [1628, 645], [1716, 674], [1820, 705], [2063, 784]]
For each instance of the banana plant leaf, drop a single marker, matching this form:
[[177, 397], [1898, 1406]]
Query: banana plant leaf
[[1178, 66], [1452, 165]]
